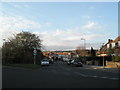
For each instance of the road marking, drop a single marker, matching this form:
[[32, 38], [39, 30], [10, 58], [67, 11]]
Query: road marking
[[114, 78], [96, 76], [81, 74], [104, 77]]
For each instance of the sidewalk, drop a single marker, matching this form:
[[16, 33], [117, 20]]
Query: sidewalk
[[92, 66], [112, 70]]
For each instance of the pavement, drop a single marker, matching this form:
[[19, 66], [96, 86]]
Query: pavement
[[107, 69]]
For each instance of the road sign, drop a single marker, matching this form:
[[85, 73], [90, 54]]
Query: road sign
[[103, 55], [35, 54], [35, 51]]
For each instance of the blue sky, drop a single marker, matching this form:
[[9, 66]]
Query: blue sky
[[61, 25]]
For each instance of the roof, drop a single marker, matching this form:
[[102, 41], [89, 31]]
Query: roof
[[116, 40], [54, 55]]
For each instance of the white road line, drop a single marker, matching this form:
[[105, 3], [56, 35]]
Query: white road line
[[82, 74], [104, 77], [96, 76], [114, 78]]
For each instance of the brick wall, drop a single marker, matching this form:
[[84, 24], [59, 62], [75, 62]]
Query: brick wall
[[112, 64]]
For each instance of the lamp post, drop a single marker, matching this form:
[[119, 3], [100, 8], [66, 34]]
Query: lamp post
[[84, 43]]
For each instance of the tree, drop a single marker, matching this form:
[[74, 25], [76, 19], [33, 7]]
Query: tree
[[81, 52], [19, 49], [92, 52], [110, 51]]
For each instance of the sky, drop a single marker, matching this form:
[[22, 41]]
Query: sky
[[61, 25]]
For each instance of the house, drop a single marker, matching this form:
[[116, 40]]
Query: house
[[112, 47], [114, 43]]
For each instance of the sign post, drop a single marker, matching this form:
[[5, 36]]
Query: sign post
[[103, 62], [103, 49], [34, 53]]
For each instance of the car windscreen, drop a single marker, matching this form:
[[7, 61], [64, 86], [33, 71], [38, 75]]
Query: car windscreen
[[77, 61], [45, 60]]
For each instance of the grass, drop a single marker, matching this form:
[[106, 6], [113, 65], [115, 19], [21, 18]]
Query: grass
[[26, 66]]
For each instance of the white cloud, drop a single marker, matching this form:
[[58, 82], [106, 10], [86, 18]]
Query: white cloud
[[19, 6], [59, 39], [47, 24], [67, 39], [26, 6], [10, 25], [86, 17], [91, 8], [17, 23], [100, 16], [16, 6], [6, 34], [94, 36], [89, 25]]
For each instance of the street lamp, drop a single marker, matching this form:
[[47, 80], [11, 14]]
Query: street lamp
[[84, 43]]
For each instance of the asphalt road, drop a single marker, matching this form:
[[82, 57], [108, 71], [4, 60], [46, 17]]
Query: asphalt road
[[58, 75]]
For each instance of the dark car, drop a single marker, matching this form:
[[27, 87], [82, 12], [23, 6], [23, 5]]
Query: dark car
[[76, 63], [69, 62], [51, 60]]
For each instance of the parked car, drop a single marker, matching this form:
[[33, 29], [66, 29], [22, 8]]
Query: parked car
[[51, 60], [45, 62], [69, 62], [76, 63], [65, 59]]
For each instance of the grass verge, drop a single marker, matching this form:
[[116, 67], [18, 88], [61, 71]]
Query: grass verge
[[26, 66]]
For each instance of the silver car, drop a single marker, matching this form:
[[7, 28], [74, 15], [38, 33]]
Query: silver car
[[45, 62]]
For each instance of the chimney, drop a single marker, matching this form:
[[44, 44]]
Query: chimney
[[110, 40]]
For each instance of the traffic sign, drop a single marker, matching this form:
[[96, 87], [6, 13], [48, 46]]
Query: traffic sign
[[103, 55], [35, 51], [35, 54]]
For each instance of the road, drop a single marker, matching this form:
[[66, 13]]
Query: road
[[58, 75]]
